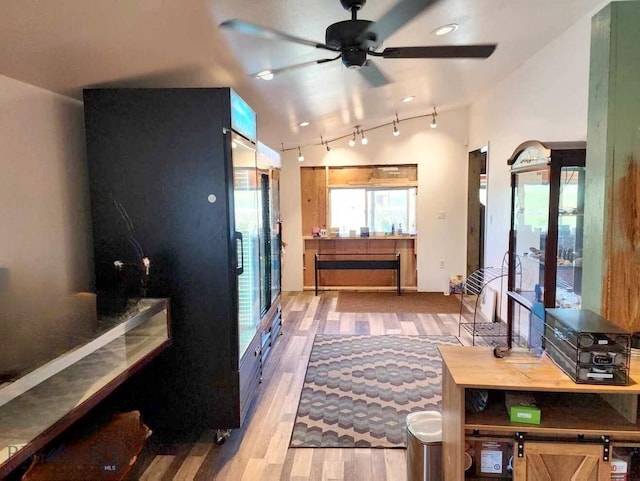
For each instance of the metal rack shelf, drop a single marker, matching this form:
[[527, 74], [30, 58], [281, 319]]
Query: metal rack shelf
[[475, 285]]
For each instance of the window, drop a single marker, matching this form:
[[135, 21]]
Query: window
[[381, 209]]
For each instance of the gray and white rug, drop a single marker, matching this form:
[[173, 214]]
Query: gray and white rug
[[358, 390]]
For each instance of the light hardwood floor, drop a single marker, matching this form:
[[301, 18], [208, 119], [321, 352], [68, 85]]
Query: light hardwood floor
[[259, 452]]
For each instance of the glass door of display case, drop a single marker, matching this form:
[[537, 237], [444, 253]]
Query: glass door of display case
[[570, 228], [545, 243], [246, 197], [276, 235], [530, 230], [265, 243]]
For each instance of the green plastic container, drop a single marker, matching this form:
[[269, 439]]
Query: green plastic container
[[524, 414]]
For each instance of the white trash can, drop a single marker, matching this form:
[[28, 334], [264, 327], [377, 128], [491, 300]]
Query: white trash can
[[424, 446]]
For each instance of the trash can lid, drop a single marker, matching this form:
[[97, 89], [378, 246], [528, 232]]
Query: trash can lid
[[426, 426]]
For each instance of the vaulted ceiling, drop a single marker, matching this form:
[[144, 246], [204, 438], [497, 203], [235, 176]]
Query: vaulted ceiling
[[68, 45]]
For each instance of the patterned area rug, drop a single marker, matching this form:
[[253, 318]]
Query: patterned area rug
[[486, 328], [358, 390]]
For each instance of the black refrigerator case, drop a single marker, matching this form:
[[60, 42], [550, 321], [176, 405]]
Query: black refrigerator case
[[156, 157]]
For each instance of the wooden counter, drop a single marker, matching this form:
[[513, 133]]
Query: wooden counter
[[586, 409], [370, 279]]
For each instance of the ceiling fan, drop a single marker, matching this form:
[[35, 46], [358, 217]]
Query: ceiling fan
[[354, 40]]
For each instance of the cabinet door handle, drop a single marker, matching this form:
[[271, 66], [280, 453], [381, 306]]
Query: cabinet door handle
[[239, 265]]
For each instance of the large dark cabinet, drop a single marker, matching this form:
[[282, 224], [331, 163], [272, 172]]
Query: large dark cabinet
[[173, 177]]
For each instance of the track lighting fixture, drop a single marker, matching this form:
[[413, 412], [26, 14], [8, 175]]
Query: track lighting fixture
[[326, 144], [359, 131], [352, 141], [396, 122]]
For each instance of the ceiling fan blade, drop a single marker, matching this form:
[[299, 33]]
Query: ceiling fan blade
[[373, 75], [280, 70], [269, 33], [438, 51], [393, 20]]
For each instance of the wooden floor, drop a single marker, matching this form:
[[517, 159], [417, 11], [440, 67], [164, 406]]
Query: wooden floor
[[259, 452]]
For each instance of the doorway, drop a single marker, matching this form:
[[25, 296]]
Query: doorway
[[476, 207]]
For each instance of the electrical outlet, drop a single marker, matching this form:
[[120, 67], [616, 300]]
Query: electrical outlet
[[441, 263]]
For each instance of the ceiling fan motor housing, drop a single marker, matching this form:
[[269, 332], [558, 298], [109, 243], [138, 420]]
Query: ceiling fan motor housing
[[344, 34], [351, 4]]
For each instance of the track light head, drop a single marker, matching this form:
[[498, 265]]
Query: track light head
[[363, 139], [396, 131], [352, 141], [300, 156]]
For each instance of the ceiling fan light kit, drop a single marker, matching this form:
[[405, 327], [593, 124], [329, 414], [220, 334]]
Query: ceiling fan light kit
[[355, 39]]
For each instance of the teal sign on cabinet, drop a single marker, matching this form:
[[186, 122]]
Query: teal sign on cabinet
[[243, 118]]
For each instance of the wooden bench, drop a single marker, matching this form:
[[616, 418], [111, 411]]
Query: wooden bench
[[391, 261]]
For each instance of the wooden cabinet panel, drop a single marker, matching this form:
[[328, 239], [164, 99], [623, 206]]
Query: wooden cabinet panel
[[373, 175], [313, 189], [544, 461]]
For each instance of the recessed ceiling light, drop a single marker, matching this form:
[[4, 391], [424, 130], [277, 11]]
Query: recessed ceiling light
[[265, 75], [304, 123], [445, 29], [408, 99]]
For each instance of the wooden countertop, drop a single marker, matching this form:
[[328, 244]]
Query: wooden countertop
[[476, 367], [378, 237]]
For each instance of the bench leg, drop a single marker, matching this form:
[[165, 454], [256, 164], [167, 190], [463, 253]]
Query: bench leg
[[316, 276]]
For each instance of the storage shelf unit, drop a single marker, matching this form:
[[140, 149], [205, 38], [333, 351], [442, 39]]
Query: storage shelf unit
[[475, 285], [568, 409]]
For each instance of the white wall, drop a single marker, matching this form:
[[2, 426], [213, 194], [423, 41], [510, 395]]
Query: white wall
[[545, 99], [45, 243], [442, 158], [44, 202]]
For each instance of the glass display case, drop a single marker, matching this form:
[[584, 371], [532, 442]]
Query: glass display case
[[545, 242], [39, 405]]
